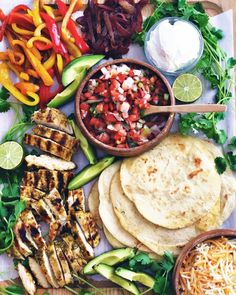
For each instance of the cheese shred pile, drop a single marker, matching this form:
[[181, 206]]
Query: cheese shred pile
[[210, 269]]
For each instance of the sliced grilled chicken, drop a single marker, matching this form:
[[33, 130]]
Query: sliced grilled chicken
[[46, 180], [33, 227], [78, 234], [38, 273], [55, 264], [49, 146], [64, 264], [49, 162], [73, 253], [44, 212], [55, 203], [43, 261], [14, 252], [76, 199], [27, 279], [20, 236], [88, 226], [31, 192], [53, 118], [60, 137]]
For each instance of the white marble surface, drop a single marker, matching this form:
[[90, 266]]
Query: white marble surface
[[223, 21]]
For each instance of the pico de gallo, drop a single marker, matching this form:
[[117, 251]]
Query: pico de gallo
[[112, 105]]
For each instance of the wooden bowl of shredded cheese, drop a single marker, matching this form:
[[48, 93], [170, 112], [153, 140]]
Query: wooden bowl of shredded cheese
[[207, 265]]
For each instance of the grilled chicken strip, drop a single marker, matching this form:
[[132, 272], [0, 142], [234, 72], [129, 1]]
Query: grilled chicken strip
[[79, 237], [88, 226], [60, 137], [55, 264], [72, 253], [49, 146], [49, 162], [14, 252], [55, 203], [20, 236], [64, 264], [38, 273], [76, 200], [31, 193], [47, 180], [53, 118], [33, 227], [43, 261], [27, 279]]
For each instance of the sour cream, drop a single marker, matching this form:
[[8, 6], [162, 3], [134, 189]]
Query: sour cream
[[173, 45]]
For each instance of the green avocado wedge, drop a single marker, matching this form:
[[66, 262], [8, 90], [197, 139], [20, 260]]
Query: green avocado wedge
[[140, 277], [108, 272], [67, 94], [72, 70], [110, 258]]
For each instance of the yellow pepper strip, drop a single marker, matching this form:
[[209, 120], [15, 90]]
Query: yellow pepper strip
[[65, 33], [4, 56], [38, 30], [15, 57], [59, 63], [25, 87], [34, 96], [49, 10], [30, 43], [15, 69], [72, 48], [5, 80], [10, 40], [32, 73], [49, 63], [24, 76], [29, 12], [39, 68], [21, 31], [35, 13], [36, 53]]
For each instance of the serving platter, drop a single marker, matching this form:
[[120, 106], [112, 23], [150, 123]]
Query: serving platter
[[213, 7]]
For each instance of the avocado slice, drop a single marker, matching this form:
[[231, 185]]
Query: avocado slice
[[110, 258], [67, 94], [140, 277], [72, 70], [108, 272]]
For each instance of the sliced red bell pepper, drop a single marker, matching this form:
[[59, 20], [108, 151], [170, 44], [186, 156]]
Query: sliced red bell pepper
[[42, 46], [3, 27], [58, 46], [20, 8], [21, 19], [79, 41], [2, 15]]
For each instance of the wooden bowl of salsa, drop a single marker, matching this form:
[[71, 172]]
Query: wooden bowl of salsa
[[110, 102]]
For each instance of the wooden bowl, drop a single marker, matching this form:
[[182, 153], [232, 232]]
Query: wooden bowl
[[191, 245], [128, 152]]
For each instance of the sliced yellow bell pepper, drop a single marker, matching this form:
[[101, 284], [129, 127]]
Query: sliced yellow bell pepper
[[49, 63], [37, 65], [4, 56], [72, 48], [15, 57], [20, 31], [32, 73], [59, 63], [15, 69], [65, 33], [5, 80], [49, 10], [30, 42], [24, 76], [38, 30], [35, 13]]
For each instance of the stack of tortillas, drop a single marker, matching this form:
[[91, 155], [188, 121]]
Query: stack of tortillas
[[161, 199]]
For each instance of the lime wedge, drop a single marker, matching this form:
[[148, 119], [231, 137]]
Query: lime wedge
[[187, 88], [11, 155]]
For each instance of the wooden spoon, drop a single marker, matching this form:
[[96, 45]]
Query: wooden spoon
[[190, 108]]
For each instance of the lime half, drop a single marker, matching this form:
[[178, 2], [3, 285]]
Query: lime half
[[187, 88], [11, 155]]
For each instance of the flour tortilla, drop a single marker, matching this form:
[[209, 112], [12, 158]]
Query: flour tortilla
[[112, 240], [107, 214], [157, 238], [93, 203], [174, 184]]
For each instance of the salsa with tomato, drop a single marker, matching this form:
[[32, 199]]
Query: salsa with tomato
[[112, 106]]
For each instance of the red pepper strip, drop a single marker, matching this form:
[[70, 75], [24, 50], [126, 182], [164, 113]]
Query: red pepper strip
[[2, 15], [42, 46], [3, 27], [79, 41], [45, 93], [20, 8], [22, 20], [58, 46]]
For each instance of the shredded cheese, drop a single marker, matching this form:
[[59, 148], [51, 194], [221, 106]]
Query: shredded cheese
[[210, 269]]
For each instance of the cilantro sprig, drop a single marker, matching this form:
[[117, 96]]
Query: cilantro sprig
[[228, 159], [5, 105], [12, 290]]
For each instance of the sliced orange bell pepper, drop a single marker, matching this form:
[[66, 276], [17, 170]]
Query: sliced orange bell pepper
[[15, 57], [15, 69], [32, 73], [5, 80], [36, 64], [25, 87], [4, 56], [24, 76]]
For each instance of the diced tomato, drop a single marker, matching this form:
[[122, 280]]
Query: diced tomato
[[97, 123], [100, 88], [121, 78], [100, 107], [84, 107], [119, 139], [134, 117], [134, 135], [110, 118], [104, 137]]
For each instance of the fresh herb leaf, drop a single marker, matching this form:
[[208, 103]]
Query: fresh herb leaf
[[139, 261], [220, 164], [4, 106], [221, 137], [231, 63], [231, 160], [232, 145], [12, 290], [4, 94]]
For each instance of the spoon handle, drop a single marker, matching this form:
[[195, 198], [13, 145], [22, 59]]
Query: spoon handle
[[191, 108]]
